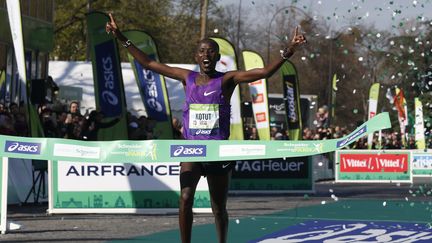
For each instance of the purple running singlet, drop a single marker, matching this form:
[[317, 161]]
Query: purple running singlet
[[206, 114]]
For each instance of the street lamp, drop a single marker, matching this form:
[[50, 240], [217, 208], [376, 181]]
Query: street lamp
[[273, 18]]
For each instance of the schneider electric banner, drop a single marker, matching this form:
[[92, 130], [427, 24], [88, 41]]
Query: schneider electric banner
[[373, 166], [273, 175], [119, 187]]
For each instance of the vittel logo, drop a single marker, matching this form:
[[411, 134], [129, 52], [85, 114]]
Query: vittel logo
[[188, 151], [22, 147]]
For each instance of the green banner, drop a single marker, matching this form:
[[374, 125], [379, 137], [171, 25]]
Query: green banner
[[151, 85], [292, 100], [178, 150], [373, 105], [228, 62], [118, 186], [333, 96], [258, 91], [108, 81]]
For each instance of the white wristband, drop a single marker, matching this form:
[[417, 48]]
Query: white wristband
[[127, 44]]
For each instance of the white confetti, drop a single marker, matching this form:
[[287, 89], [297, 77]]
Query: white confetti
[[237, 221], [323, 202], [360, 59], [384, 203]]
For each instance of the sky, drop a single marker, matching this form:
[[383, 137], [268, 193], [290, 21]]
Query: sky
[[390, 15]]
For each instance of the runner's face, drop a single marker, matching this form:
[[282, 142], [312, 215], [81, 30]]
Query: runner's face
[[207, 56]]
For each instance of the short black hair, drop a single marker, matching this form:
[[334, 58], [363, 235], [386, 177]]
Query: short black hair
[[209, 41]]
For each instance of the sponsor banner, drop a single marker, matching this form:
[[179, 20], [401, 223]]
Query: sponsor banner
[[170, 151], [228, 62], [419, 124], [356, 135], [151, 85], [373, 105], [422, 163], [292, 100], [373, 166], [280, 175], [82, 176], [401, 107], [108, 81], [297, 167], [258, 91], [318, 231], [242, 150], [333, 96], [79, 186]]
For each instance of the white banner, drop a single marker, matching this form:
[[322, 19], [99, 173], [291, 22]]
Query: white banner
[[81, 176], [14, 13]]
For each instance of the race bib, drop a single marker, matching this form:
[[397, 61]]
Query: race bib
[[203, 118]]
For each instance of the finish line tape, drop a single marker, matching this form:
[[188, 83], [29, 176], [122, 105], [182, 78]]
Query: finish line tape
[[130, 151]]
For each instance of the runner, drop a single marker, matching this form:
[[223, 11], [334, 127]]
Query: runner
[[206, 116]]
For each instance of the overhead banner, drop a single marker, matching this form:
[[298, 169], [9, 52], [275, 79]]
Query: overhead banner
[[85, 187], [258, 91], [419, 124], [151, 85], [177, 150], [292, 100], [108, 81], [373, 105], [228, 62], [373, 166]]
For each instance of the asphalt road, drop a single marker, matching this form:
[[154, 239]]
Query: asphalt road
[[37, 226]]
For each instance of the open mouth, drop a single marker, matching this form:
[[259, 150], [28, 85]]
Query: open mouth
[[206, 63]]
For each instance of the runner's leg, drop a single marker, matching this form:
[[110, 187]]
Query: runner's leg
[[218, 188], [190, 174]]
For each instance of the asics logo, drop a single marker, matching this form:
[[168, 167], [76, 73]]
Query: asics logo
[[209, 93], [188, 150], [22, 147]]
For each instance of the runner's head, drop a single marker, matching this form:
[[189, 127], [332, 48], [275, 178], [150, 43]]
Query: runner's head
[[207, 55]]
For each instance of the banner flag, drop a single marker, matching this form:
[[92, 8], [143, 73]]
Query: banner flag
[[228, 62], [162, 150], [373, 105], [401, 106], [333, 96], [15, 21], [419, 124], [151, 85], [292, 100], [258, 91], [108, 81], [3, 85]]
